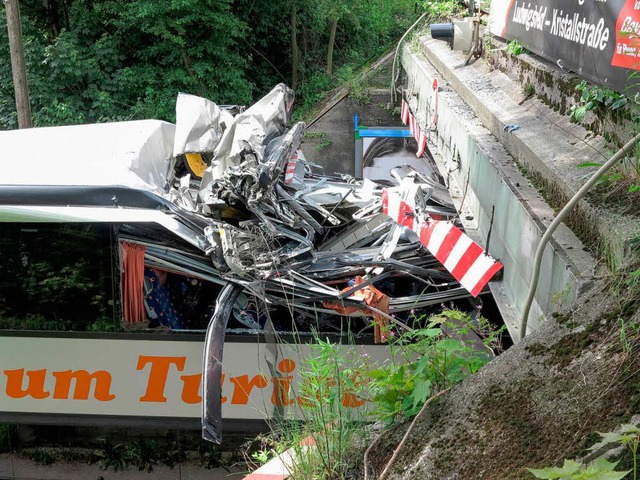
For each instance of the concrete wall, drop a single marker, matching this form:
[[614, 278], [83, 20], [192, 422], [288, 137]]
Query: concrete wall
[[486, 184]]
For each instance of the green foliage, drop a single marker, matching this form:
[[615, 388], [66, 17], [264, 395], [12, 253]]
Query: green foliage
[[268, 447], [322, 145], [118, 61], [600, 469], [263, 456], [595, 98], [609, 105], [111, 60], [333, 382], [42, 456], [56, 277], [330, 381], [442, 9], [514, 47], [210, 454], [331, 385], [529, 90], [144, 454], [430, 361], [630, 436], [629, 335]]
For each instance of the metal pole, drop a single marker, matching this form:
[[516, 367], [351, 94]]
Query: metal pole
[[535, 275], [16, 50]]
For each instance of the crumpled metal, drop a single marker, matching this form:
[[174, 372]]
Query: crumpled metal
[[200, 124]]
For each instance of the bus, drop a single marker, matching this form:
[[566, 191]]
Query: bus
[[145, 281]]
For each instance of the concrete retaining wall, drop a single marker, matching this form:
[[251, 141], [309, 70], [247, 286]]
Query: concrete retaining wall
[[499, 206]]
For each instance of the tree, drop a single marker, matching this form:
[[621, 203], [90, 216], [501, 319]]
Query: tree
[[109, 60]]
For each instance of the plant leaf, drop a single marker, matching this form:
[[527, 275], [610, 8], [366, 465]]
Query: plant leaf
[[619, 103], [603, 465], [421, 392], [569, 468], [579, 113], [628, 427], [589, 164], [612, 475]]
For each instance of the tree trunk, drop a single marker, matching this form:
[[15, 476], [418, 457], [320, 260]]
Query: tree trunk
[[53, 18], [295, 54], [332, 41], [16, 51]]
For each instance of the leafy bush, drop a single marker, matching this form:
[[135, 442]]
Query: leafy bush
[[428, 361]]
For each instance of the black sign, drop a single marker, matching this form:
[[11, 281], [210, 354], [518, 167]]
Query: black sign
[[597, 39]]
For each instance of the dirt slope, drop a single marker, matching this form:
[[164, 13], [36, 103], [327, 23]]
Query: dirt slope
[[539, 402]]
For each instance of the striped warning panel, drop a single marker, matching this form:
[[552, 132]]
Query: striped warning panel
[[404, 113], [461, 256], [397, 208], [408, 118]]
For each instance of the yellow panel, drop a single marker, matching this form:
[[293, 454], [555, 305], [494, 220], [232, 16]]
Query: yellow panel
[[196, 164]]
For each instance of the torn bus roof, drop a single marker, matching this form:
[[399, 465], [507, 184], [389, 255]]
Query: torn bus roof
[[136, 154], [258, 219]]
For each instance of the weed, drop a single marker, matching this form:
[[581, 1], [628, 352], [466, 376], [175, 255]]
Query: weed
[[560, 297], [144, 454], [262, 456], [323, 144], [630, 436], [600, 468], [109, 455], [529, 90], [330, 387], [332, 383], [595, 98], [615, 108], [515, 48], [597, 470], [210, 455], [42, 456], [309, 134], [629, 335]]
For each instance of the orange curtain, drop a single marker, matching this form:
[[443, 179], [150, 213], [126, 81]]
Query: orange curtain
[[132, 282]]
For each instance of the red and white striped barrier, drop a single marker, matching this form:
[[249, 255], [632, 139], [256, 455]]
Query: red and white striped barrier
[[461, 256], [414, 127], [465, 259], [408, 118]]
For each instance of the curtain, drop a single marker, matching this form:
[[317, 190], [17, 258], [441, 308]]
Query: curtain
[[132, 281]]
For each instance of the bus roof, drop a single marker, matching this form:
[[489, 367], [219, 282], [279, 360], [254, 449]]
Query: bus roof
[[136, 154]]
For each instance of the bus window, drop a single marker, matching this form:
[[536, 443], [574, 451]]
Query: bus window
[[57, 277], [165, 287]]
